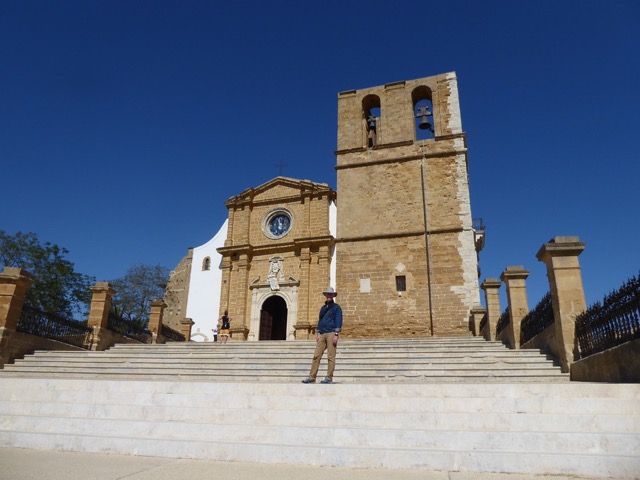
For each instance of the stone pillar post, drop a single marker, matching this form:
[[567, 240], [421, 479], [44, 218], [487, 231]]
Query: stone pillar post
[[155, 320], [491, 287], [14, 283], [102, 293], [476, 317], [560, 255], [185, 328], [514, 279]]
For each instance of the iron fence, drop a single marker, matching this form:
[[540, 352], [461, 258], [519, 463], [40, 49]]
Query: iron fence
[[137, 331], [537, 319], [503, 321], [611, 323], [171, 334], [53, 326]]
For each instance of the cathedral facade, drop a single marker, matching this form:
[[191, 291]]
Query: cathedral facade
[[401, 249]]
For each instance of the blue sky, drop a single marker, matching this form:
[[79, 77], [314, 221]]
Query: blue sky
[[125, 125]]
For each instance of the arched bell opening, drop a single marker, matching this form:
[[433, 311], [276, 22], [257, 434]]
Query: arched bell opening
[[423, 113], [273, 319], [371, 114]]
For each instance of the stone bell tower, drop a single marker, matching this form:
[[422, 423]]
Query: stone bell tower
[[406, 254]]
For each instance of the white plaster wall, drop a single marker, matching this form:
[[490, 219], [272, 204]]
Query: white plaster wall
[[204, 288]]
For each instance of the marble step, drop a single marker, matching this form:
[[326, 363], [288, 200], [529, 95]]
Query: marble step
[[571, 429], [394, 360]]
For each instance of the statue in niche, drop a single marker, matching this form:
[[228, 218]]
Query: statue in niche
[[275, 274]]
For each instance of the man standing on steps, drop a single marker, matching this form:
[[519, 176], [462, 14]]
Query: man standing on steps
[[327, 332]]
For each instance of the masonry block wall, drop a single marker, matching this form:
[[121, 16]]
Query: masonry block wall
[[177, 293], [404, 211]]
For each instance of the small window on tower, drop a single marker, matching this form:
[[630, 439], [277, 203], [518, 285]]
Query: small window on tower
[[206, 264], [401, 283]]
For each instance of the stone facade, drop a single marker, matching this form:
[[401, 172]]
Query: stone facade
[[272, 277], [405, 249], [406, 255]]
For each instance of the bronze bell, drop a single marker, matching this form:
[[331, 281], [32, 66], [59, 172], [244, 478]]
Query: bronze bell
[[371, 122], [423, 114]]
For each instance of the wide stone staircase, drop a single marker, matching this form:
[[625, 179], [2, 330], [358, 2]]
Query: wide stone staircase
[[432, 404], [427, 360]]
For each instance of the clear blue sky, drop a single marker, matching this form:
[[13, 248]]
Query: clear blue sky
[[125, 125]]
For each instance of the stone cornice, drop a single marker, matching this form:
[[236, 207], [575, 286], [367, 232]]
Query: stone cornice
[[409, 158], [415, 233], [244, 249], [561, 247], [491, 283], [514, 273], [310, 241], [406, 143], [253, 250]]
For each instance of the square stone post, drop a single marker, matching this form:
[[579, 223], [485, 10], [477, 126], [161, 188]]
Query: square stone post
[[560, 255], [14, 283], [514, 279], [185, 328], [102, 293], [155, 320], [476, 317], [491, 287]]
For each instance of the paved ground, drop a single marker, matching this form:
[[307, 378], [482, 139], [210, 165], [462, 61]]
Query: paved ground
[[25, 464]]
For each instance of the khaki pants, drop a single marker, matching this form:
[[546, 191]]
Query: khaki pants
[[325, 343]]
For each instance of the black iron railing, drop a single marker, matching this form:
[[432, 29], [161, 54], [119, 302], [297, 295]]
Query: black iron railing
[[503, 321], [134, 330], [55, 327], [171, 334], [611, 323], [537, 319]]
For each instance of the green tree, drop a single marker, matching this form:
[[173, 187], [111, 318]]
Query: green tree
[[140, 285], [57, 287]]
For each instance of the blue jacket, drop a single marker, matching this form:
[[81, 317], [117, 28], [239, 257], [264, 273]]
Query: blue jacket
[[332, 321]]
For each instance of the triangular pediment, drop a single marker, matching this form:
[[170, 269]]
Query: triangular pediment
[[280, 188]]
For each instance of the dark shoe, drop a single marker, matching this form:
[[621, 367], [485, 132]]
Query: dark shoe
[[309, 380], [327, 380]]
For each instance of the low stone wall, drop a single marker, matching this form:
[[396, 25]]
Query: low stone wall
[[503, 337], [24, 344], [620, 364], [107, 338], [544, 342]]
